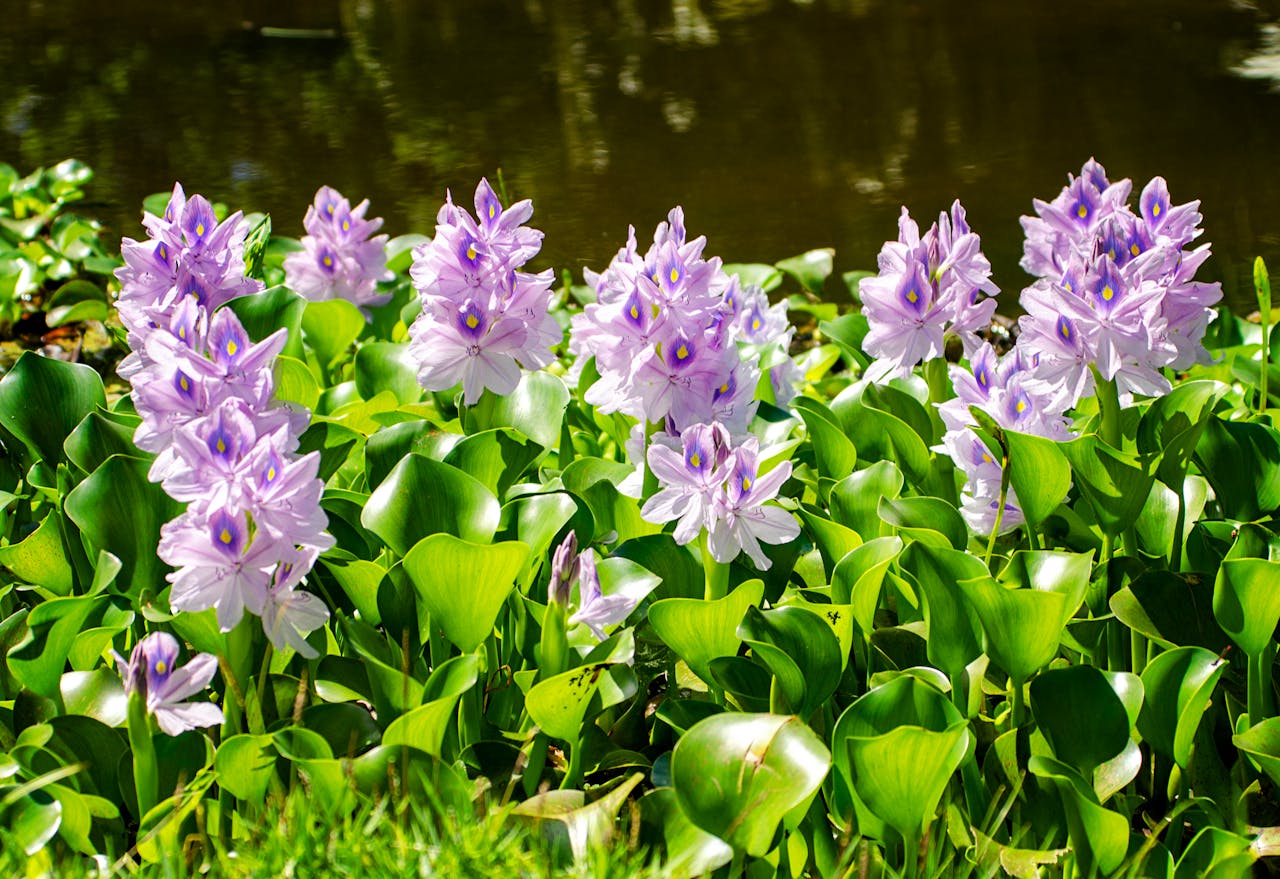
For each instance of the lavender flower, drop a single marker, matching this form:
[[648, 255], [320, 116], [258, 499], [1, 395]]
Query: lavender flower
[[1116, 290], [596, 610], [927, 286], [482, 319], [153, 670], [339, 259], [253, 526], [715, 487]]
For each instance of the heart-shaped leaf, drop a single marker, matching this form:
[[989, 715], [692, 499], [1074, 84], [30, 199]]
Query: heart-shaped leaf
[[698, 631], [420, 497]]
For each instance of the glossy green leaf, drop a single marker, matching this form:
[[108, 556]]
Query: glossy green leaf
[[273, 309], [679, 569], [42, 400], [833, 450], [1173, 425], [421, 497], [463, 585], [571, 823], [1099, 837], [98, 694], [800, 649], [1178, 685], [1115, 484], [1052, 571], [834, 541], [424, 727], [809, 269], [1038, 473], [1241, 460], [295, 383], [119, 510], [535, 408], [855, 499], [32, 819], [954, 636], [40, 558], [561, 705], [689, 850], [1246, 602], [1080, 715], [330, 327], [383, 366], [245, 765], [1172, 609], [495, 457], [897, 746], [100, 435], [1216, 853], [594, 481], [738, 776], [922, 518], [698, 631], [859, 577], [52, 626], [1022, 626]]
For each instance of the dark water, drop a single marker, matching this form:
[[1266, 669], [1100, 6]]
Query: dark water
[[779, 125]]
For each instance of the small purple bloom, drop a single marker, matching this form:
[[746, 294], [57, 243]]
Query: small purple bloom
[[152, 669]]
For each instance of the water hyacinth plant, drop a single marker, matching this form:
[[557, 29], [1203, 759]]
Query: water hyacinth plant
[[647, 574]]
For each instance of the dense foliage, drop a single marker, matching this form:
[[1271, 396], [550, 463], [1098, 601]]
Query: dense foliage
[[633, 564]]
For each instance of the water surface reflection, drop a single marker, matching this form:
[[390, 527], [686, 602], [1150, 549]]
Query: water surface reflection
[[780, 125]]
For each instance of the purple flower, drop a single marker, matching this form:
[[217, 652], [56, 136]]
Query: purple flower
[[565, 563], [339, 259], [741, 519], [927, 286], [482, 319], [153, 670], [691, 479], [596, 610]]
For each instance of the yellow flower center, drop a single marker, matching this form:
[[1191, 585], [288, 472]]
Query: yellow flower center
[[491, 211], [1155, 210], [1108, 294], [232, 348], [346, 225], [271, 474], [186, 385], [161, 666], [695, 459], [1021, 406], [912, 296], [755, 324], [199, 229], [724, 388], [1082, 212], [1066, 332], [328, 261], [1134, 249], [986, 459], [471, 251], [635, 313], [746, 483], [682, 352], [472, 321], [225, 536], [675, 275], [222, 445]]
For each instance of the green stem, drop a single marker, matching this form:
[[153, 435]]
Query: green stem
[[553, 649], [537, 760], [650, 480], [1137, 652], [715, 575], [1033, 539], [1259, 684], [1262, 284], [146, 772], [1004, 496], [573, 775], [1017, 708], [935, 375]]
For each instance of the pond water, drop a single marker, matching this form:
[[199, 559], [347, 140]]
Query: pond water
[[780, 126]]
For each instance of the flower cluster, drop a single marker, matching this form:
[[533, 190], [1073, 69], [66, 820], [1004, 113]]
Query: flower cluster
[[927, 286], [339, 259], [1116, 290], [253, 526], [662, 332], [710, 484], [482, 318], [1007, 390], [152, 670]]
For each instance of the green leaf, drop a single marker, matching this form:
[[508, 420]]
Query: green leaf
[[384, 366], [595, 481], [261, 314], [295, 383], [1178, 685], [738, 776], [855, 500], [689, 850], [400, 251], [925, 519], [76, 301], [859, 576], [420, 497], [562, 704], [100, 435], [1241, 460], [32, 819], [535, 408], [698, 631], [810, 269], [117, 509], [245, 765], [1173, 425], [495, 457], [848, 331], [255, 247], [1216, 853], [1052, 571], [954, 636], [800, 649], [1022, 626], [833, 450], [40, 558], [463, 585], [1099, 837], [1039, 475], [42, 400], [331, 327], [680, 571], [1080, 715], [897, 746], [52, 626], [1114, 483], [424, 727], [1174, 610], [97, 694], [1246, 602], [834, 541]]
